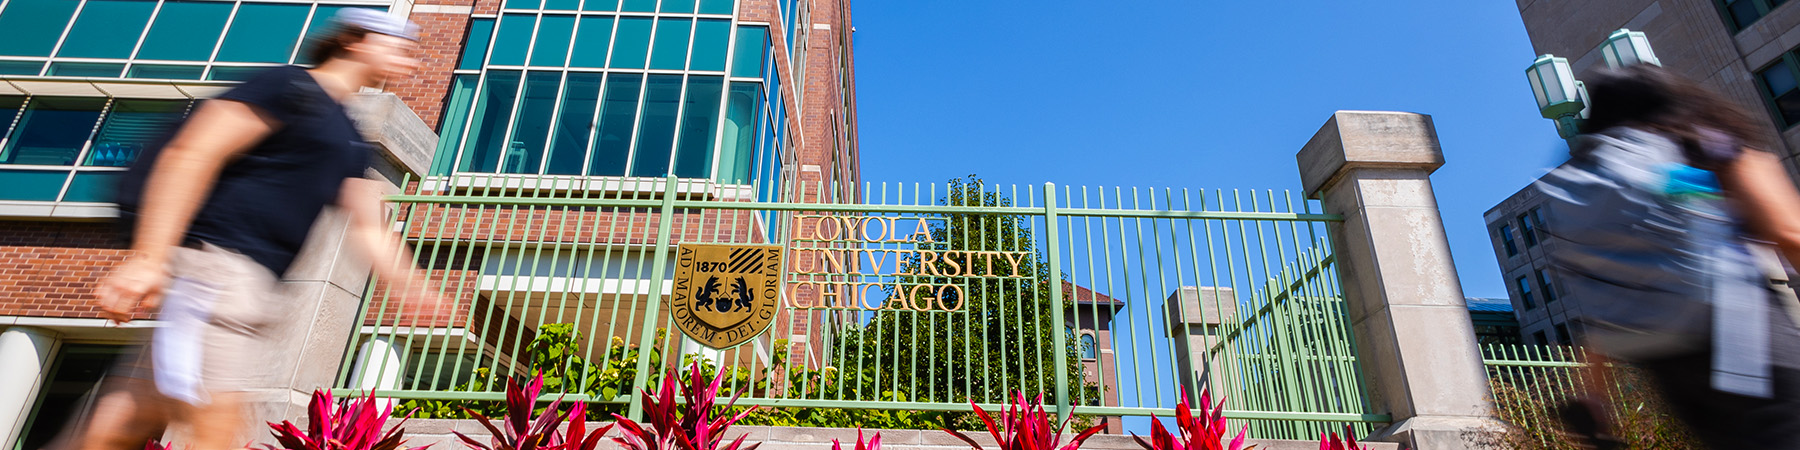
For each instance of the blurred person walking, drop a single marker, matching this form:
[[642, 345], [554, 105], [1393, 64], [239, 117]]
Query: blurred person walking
[[218, 213], [1654, 217]]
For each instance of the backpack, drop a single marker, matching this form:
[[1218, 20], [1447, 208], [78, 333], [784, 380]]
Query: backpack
[[1648, 245]]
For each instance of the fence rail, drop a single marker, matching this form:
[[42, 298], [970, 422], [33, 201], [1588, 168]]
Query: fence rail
[[916, 297]]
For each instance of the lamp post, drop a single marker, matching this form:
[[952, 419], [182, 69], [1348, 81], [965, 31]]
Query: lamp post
[[1562, 98]]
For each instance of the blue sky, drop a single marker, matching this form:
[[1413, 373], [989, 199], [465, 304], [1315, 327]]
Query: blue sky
[[1196, 94]]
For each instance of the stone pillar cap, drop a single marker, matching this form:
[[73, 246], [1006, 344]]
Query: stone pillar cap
[[1362, 139]]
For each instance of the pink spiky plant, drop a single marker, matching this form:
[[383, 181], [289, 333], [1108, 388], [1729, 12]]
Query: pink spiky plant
[[354, 425], [522, 432], [874, 442], [1025, 426], [1205, 432], [1330, 441], [692, 426]]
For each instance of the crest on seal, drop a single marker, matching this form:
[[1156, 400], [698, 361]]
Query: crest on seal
[[724, 295]]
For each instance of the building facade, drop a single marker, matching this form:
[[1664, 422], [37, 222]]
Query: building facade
[[747, 96], [1541, 309]]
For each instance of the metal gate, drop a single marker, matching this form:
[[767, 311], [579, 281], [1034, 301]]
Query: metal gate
[[916, 297]]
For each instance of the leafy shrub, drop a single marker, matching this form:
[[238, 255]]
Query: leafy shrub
[[1205, 432], [521, 432], [354, 425], [688, 426], [1528, 402], [1330, 441], [1024, 426]]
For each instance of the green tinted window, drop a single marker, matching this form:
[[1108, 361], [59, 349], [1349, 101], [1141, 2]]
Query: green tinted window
[[678, 6], [553, 35], [591, 40], [711, 38], [167, 72], [52, 131], [531, 130], [568, 148], [638, 5], [129, 126], [671, 44], [715, 6], [107, 29], [487, 135], [456, 113], [9, 110], [514, 39], [92, 187], [33, 26], [747, 59], [20, 67], [656, 135], [475, 49], [562, 5], [64, 69], [612, 140], [735, 151], [263, 32], [522, 4], [321, 20], [36, 185], [185, 31], [221, 73], [600, 5], [632, 43], [699, 118]]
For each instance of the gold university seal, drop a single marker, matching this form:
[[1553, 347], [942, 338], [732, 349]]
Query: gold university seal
[[726, 294]]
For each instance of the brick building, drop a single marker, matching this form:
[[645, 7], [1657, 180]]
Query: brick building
[[747, 98]]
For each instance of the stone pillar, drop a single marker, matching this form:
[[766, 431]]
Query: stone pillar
[[26, 354], [1413, 333], [1195, 320]]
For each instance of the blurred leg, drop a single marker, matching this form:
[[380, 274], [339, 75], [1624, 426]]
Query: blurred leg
[[128, 414], [219, 424]]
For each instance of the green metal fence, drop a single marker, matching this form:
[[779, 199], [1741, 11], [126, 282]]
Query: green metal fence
[[1109, 301]]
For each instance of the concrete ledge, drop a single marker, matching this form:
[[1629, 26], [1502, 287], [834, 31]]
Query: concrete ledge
[[438, 433], [1368, 139], [404, 139]]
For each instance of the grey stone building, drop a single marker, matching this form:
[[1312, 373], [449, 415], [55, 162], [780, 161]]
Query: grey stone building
[[1541, 308]]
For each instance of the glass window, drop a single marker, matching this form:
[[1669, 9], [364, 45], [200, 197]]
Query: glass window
[[1089, 348], [612, 140], [52, 131], [1783, 91], [591, 40], [747, 59], [514, 39], [638, 6], [678, 6], [600, 5], [1546, 286], [1562, 334], [671, 44], [700, 118], [107, 29], [168, 72], [532, 128], [656, 134], [711, 38], [553, 34], [523, 4], [715, 6], [1539, 338], [9, 110], [185, 31], [1506, 238], [223, 73], [67, 69], [488, 132], [574, 122], [1526, 229], [321, 20], [562, 5], [632, 44], [33, 26], [1525, 292], [456, 113], [69, 390], [20, 67], [32, 185], [263, 32], [93, 186], [1741, 13], [735, 151], [475, 49], [130, 125]]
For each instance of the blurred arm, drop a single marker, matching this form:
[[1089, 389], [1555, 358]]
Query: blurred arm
[[360, 198], [1766, 196]]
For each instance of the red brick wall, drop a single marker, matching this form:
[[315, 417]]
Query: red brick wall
[[49, 269], [440, 46]]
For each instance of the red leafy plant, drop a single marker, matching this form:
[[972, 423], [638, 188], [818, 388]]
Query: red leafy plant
[[689, 426], [1025, 426], [874, 442], [353, 425], [522, 432], [1205, 432], [1330, 441]]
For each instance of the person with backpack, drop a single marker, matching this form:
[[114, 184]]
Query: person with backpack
[[218, 212], [1654, 218]]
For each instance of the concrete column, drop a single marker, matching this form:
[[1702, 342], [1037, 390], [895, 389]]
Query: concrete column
[[1196, 319], [378, 365], [1413, 333], [26, 354]]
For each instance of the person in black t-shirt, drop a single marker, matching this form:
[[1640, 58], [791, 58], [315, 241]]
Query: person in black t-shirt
[[219, 212]]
